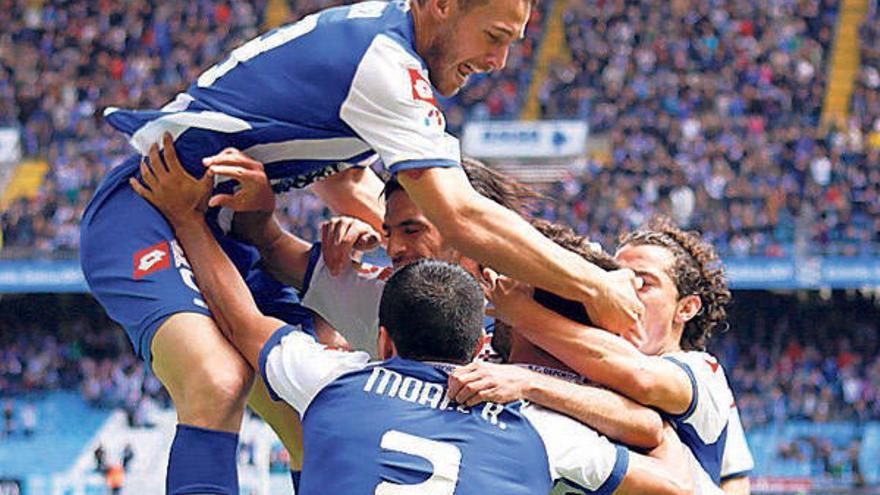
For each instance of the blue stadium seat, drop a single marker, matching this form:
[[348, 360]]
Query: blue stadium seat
[[65, 425]]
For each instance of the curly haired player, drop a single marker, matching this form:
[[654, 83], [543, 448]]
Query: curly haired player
[[685, 294]]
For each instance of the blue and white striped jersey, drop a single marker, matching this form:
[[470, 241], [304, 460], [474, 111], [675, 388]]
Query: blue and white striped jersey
[[310, 99], [704, 426], [387, 427]]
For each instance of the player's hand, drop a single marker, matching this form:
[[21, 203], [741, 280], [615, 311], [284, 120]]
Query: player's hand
[[511, 299], [617, 308], [486, 382], [254, 192], [341, 237], [170, 188]]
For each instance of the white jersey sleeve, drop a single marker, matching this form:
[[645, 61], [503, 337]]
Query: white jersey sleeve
[[712, 398], [580, 459], [736, 461], [349, 302], [295, 367], [391, 106]]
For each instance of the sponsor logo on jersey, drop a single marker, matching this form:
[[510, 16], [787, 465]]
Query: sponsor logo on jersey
[[434, 118], [421, 88], [285, 184], [150, 260]]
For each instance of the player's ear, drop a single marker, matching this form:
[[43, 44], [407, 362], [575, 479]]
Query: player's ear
[[384, 345], [441, 9], [687, 308]]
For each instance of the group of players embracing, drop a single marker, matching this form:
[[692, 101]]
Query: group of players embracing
[[380, 381]]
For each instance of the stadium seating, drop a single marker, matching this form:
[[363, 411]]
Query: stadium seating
[[66, 423], [806, 457]]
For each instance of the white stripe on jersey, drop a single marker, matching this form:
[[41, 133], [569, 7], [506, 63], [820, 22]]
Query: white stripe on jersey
[[178, 123], [308, 149]]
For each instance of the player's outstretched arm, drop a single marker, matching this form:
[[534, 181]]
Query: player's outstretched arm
[[182, 198], [594, 353], [607, 412], [498, 237]]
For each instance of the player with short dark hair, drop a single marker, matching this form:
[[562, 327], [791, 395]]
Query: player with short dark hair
[[432, 321]]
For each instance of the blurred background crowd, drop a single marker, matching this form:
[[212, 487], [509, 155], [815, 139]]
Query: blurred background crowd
[[711, 111]]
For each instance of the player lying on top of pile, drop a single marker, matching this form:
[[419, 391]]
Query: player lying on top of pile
[[389, 427]]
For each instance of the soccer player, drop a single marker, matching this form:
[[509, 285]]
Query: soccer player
[[685, 293], [386, 427], [312, 99]]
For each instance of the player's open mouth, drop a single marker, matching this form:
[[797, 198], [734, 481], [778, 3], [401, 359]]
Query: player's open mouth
[[464, 70]]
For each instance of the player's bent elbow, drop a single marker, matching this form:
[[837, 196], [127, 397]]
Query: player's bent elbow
[[649, 433]]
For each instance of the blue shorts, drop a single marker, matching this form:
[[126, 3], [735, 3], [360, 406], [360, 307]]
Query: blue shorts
[[138, 272]]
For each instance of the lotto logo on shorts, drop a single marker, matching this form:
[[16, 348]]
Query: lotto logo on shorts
[[151, 260], [421, 88]]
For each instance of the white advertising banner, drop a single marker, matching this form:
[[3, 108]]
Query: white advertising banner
[[539, 139], [10, 151]]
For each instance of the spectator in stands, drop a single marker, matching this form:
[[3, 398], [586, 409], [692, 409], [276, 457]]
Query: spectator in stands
[[28, 419], [8, 418], [127, 456], [100, 458]]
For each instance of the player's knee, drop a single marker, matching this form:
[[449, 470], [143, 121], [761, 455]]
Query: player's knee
[[215, 396]]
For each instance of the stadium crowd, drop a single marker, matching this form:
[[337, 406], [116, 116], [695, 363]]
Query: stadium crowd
[[781, 365], [41, 353], [817, 360], [712, 114]]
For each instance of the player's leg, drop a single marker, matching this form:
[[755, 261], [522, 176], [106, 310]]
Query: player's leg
[[139, 274], [284, 422], [208, 381]]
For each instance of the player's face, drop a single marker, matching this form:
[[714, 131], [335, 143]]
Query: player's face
[[659, 295], [473, 41], [410, 235]]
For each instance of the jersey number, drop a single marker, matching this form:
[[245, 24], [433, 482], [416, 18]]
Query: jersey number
[[256, 46], [444, 457]]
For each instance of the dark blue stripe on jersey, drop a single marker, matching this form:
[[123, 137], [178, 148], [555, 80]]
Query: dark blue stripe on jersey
[[418, 164], [314, 256], [621, 465], [615, 478], [270, 344], [738, 474], [693, 405], [708, 455]]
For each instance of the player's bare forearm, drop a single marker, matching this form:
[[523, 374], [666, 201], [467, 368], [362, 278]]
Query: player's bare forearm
[[356, 192], [737, 486], [609, 413], [609, 360], [646, 475], [225, 291], [283, 255], [498, 237]]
